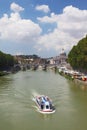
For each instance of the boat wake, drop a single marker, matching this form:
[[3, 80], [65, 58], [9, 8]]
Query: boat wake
[[33, 95]]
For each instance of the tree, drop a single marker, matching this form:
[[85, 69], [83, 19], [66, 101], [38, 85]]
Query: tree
[[77, 57], [6, 60]]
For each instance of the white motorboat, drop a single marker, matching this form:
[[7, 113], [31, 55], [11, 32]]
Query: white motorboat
[[44, 104]]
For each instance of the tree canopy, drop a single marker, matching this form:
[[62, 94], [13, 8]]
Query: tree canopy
[[6, 60], [77, 57]]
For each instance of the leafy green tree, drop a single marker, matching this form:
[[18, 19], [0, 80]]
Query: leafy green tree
[[6, 60], [77, 57]]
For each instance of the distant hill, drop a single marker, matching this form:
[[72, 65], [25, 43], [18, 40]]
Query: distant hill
[[77, 57]]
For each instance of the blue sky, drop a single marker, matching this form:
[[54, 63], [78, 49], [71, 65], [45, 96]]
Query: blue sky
[[41, 27]]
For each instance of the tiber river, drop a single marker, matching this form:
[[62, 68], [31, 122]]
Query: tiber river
[[18, 112]]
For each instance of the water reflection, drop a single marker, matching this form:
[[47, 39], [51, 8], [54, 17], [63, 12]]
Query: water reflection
[[5, 85]]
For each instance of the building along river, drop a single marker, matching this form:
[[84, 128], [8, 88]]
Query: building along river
[[18, 111]]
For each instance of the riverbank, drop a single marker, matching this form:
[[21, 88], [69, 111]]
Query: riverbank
[[78, 78]]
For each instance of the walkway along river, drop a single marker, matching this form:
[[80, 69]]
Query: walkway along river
[[18, 112]]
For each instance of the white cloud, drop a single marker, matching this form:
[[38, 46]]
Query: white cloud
[[52, 19], [71, 27], [43, 8], [18, 30], [56, 40], [15, 7], [71, 18]]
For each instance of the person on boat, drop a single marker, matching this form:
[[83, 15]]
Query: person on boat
[[47, 98]]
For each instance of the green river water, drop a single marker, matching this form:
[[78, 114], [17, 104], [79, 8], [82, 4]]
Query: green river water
[[17, 109]]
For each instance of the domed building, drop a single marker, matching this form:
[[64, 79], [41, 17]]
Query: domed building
[[63, 53], [61, 59]]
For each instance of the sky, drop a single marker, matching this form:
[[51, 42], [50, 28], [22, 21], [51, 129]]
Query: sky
[[42, 27]]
